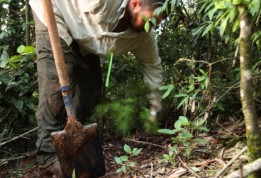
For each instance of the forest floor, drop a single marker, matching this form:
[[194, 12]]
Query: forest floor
[[224, 142]]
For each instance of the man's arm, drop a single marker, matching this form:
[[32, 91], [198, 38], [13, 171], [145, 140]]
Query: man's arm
[[150, 62]]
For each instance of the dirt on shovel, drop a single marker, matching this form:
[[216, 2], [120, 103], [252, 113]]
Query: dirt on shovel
[[79, 149]]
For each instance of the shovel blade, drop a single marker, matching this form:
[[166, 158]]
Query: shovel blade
[[79, 148]]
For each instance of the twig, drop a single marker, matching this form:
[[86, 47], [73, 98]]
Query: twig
[[247, 169], [19, 136], [223, 170], [3, 122], [151, 170], [5, 161], [212, 104], [142, 142], [217, 121], [2, 161], [188, 168], [204, 62]]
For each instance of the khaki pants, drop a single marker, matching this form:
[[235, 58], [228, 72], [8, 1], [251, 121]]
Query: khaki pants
[[86, 80]]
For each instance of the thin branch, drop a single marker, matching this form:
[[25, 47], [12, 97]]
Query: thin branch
[[223, 170], [151, 170], [204, 62], [19, 136], [247, 169], [3, 161], [212, 104], [3, 122], [146, 143], [231, 133], [188, 168]]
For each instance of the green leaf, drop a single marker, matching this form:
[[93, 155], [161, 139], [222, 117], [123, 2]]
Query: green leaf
[[220, 106], [20, 49], [124, 158], [169, 88], [73, 174], [209, 27], [183, 120], [191, 87], [5, 78], [181, 95], [147, 26], [166, 131], [153, 21], [136, 152], [200, 141], [236, 2], [186, 135], [188, 151], [175, 140], [165, 5], [124, 168], [200, 79], [232, 14], [198, 30], [29, 50], [166, 156], [158, 10], [118, 160], [132, 164], [254, 7], [223, 25], [119, 170], [211, 13], [173, 148], [29, 104], [127, 148], [177, 125], [185, 100], [199, 122], [144, 17], [209, 6], [16, 58], [205, 129], [202, 72], [220, 5], [19, 104], [171, 153]]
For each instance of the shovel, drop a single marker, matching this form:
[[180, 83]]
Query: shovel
[[78, 147]]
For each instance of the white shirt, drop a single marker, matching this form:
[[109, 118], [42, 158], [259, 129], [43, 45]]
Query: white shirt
[[90, 23]]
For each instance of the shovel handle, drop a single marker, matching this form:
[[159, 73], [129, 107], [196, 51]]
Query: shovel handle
[[58, 55]]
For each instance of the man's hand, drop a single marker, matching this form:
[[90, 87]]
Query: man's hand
[[152, 115]]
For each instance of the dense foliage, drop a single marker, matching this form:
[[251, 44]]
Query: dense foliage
[[198, 44]]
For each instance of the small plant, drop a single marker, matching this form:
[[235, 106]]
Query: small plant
[[184, 130], [170, 157], [124, 160], [149, 23]]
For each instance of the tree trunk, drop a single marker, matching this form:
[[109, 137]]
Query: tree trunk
[[27, 22], [253, 134]]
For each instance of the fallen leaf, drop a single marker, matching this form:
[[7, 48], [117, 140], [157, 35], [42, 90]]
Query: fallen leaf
[[178, 172]]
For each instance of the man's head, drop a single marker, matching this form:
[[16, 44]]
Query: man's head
[[139, 8]]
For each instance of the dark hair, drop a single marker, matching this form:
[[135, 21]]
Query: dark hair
[[153, 4]]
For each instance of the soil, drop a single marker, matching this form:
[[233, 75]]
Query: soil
[[204, 161]]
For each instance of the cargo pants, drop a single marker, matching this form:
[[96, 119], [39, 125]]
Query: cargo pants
[[85, 78]]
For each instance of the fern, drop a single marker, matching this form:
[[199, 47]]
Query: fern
[[128, 113]]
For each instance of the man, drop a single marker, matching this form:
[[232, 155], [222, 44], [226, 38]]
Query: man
[[88, 29]]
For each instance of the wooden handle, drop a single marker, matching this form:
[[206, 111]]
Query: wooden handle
[[58, 57], [55, 43]]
